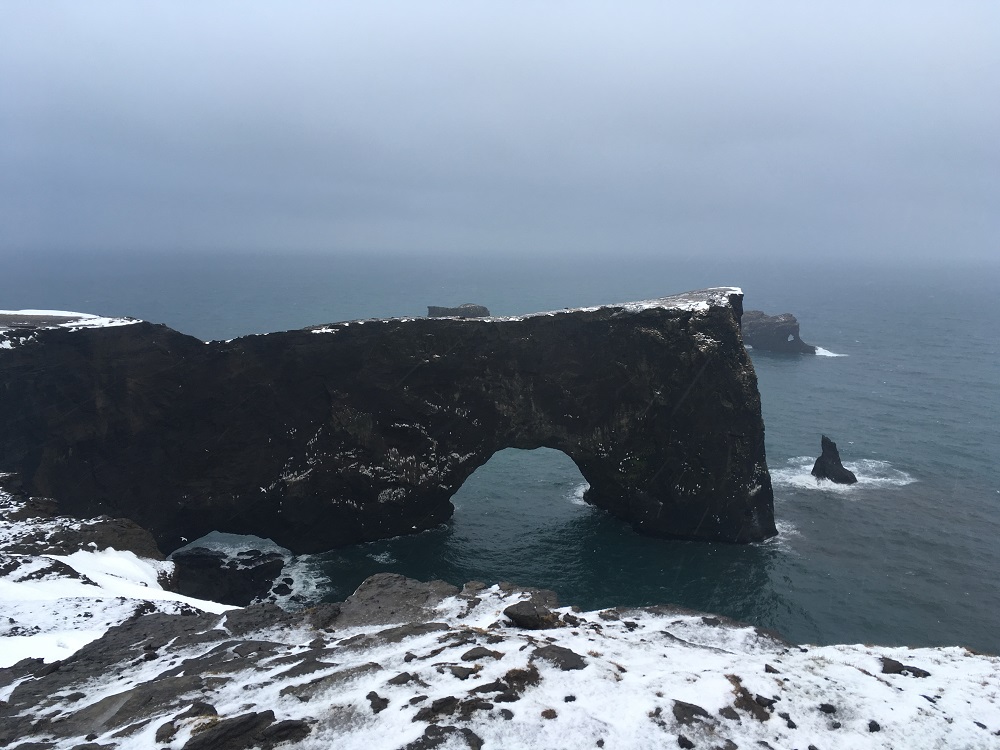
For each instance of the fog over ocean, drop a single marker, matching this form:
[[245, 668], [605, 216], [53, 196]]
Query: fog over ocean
[[906, 556]]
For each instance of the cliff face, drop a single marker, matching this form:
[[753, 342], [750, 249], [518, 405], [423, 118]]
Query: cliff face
[[364, 430]]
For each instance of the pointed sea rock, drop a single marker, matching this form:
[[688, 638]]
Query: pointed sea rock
[[828, 465]]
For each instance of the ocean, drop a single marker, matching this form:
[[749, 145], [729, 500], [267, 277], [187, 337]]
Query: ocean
[[906, 384]]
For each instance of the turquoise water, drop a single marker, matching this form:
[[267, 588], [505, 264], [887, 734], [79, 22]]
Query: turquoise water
[[907, 556]]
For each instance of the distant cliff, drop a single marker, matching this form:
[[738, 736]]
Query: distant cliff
[[364, 430], [774, 333], [468, 310]]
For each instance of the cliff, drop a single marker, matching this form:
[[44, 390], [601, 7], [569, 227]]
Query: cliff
[[363, 430]]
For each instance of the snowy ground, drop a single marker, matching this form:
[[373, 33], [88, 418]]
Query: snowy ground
[[11, 319], [52, 604], [408, 665], [639, 678]]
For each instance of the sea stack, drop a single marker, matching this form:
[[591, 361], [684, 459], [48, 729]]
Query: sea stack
[[774, 333], [828, 465]]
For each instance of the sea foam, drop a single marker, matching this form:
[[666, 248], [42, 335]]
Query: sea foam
[[871, 474], [576, 496], [821, 352]]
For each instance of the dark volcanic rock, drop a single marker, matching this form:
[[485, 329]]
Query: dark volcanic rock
[[386, 598], [688, 713], [828, 465], [213, 575], [468, 310], [891, 666], [774, 333], [52, 534], [237, 733], [564, 658], [435, 736], [364, 430], [532, 616]]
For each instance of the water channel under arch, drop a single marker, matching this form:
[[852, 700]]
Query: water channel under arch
[[521, 517]]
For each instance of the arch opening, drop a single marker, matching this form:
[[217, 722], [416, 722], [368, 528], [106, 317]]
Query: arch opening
[[518, 517], [519, 492]]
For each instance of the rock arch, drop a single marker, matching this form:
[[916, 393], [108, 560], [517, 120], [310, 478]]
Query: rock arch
[[363, 430]]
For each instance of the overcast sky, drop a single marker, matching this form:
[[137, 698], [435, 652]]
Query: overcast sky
[[788, 128]]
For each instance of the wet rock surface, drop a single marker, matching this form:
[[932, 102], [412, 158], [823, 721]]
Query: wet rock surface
[[217, 576], [364, 430]]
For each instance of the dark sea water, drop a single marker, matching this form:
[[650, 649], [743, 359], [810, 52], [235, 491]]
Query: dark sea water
[[909, 555]]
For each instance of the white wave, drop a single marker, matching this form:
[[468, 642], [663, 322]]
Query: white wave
[[576, 496], [821, 352], [383, 558], [786, 528], [871, 474], [310, 583], [786, 532]]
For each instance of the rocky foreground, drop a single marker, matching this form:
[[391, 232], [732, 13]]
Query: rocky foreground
[[99, 655]]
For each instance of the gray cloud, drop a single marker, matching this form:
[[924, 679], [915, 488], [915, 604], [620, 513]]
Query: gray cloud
[[779, 127]]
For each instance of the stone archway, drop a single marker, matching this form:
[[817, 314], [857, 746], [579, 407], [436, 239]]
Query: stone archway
[[364, 430]]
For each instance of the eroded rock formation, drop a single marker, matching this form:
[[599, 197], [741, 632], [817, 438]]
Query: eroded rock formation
[[774, 333], [363, 430], [828, 465]]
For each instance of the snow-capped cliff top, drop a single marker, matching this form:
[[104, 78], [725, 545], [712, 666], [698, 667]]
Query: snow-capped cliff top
[[698, 301], [33, 319]]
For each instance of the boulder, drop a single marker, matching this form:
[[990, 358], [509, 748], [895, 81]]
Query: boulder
[[214, 575], [828, 465]]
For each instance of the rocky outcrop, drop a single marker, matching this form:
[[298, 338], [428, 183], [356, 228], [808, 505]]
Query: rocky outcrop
[[468, 310], [31, 526], [405, 664], [363, 430], [774, 333], [229, 579], [828, 465]]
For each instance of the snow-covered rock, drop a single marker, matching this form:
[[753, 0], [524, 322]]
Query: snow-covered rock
[[94, 650], [403, 664]]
